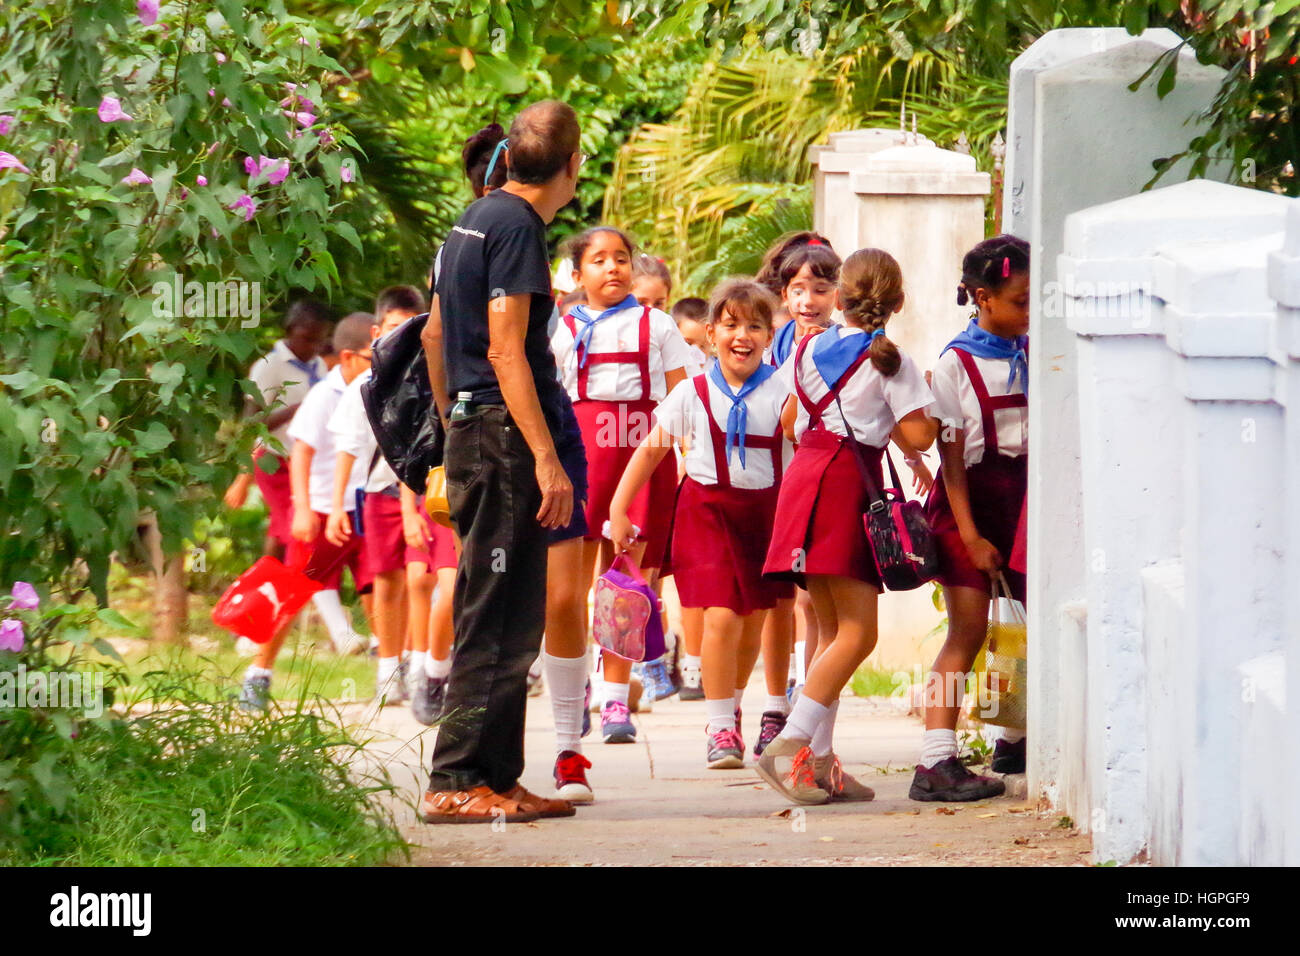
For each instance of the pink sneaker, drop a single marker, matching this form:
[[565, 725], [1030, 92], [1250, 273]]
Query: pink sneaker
[[616, 723]]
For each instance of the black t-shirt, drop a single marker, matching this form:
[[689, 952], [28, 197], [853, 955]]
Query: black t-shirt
[[497, 248]]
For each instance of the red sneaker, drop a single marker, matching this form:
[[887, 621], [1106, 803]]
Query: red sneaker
[[571, 778]]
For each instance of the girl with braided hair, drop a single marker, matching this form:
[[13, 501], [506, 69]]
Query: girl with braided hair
[[980, 384], [853, 391]]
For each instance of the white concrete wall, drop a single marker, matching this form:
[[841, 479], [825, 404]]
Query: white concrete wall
[[1077, 136], [1183, 444]]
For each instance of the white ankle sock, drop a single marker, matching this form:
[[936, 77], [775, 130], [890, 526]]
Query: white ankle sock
[[739, 697], [419, 662], [777, 703], [616, 692], [821, 740], [332, 613], [387, 668], [721, 715], [438, 668], [1011, 736], [566, 679], [691, 662], [937, 746], [255, 671], [804, 719]]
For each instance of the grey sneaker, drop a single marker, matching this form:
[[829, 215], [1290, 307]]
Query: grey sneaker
[[691, 688], [254, 694], [427, 696]]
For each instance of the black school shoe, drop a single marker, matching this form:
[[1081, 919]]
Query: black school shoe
[[1008, 758], [951, 782]]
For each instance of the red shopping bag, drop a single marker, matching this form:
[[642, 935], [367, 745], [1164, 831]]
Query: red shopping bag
[[264, 599]]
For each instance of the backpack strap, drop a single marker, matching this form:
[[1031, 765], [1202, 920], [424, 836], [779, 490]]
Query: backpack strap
[[988, 405], [816, 409]]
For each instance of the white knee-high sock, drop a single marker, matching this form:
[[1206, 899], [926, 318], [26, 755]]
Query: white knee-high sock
[[937, 746], [566, 679], [821, 739], [800, 663], [332, 613]]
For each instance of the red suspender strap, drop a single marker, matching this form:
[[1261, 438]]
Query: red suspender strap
[[988, 405], [643, 353], [640, 358], [770, 443], [815, 409]]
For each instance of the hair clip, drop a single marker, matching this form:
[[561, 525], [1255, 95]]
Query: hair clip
[[492, 163], [660, 260], [815, 242], [1006, 266]]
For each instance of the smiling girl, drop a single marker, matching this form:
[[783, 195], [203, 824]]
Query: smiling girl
[[617, 359], [731, 419]]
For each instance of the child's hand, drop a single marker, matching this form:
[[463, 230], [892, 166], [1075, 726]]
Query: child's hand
[[922, 477], [413, 530], [622, 532], [984, 556], [237, 493], [306, 525], [338, 528]]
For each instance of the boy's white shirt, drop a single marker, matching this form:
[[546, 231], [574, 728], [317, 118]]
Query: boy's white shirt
[[350, 426], [683, 415], [872, 402], [283, 383], [620, 332], [957, 402], [311, 425]]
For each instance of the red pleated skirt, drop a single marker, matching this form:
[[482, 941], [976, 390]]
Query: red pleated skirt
[[719, 539], [818, 528], [611, 432], [996, 488]]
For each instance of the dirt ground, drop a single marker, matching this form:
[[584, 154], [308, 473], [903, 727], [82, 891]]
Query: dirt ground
[[657, 804]]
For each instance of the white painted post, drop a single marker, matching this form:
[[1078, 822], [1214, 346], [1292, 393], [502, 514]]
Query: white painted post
[[1077, 136], [834, 207]]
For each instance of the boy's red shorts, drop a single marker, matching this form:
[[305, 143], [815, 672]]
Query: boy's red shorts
[[271, 473], [387, 542]]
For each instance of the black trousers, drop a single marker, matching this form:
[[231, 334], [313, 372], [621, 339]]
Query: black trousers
[[499, 607]]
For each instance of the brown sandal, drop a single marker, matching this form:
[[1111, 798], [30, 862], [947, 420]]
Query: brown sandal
[[480, 805], [532, 803]]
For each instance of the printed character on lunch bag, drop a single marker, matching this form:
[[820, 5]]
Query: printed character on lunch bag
[[730, 418], [979, 384], [854, 391], [617, 359]]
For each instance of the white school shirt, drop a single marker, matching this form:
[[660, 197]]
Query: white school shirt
[[955, 397], [283, 383], [350, 426], [697, 363], [311, 424], [620, 332], [682, 415], [873, 402]]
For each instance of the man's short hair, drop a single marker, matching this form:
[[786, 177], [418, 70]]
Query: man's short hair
[[403, 298], [542, 138], [353, 332]]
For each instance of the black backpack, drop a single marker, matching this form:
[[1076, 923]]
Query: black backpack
[[399, 404]]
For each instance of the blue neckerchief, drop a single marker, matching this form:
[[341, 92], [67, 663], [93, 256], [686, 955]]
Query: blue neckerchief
[[739, 412], [582, 342], [984, 344], [834, 352], [313, 376], [783, 343]]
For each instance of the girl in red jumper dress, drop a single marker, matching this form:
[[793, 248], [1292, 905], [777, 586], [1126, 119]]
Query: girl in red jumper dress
[[854, 391], [618, 359], [730, 417], [979, 384]]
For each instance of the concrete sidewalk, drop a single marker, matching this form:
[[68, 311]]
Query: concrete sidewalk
[[657, 804]]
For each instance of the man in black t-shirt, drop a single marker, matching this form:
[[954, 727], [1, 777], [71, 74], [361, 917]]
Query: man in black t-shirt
[[486, 336]]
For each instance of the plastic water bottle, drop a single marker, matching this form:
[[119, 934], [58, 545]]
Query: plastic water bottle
[[463, 408]]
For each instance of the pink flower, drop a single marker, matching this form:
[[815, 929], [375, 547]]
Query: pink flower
[[303, 118], [185, 193], [250, 166], [24, 596], [136, 178], [212, 92], [219, 56], [245, 202], [201, 180], [213, 148], [326, 137], [225, 101], [11, 635], [110, 110], [346, 174], [7, 124], [10, 161], [277, 170], [148, 10]]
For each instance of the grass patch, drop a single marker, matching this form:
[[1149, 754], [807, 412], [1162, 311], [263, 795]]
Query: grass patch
[[187, 779]]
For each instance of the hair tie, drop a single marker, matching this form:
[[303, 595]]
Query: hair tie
[[1006, 266], [492, 163], [875, 335], [815, 242]]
